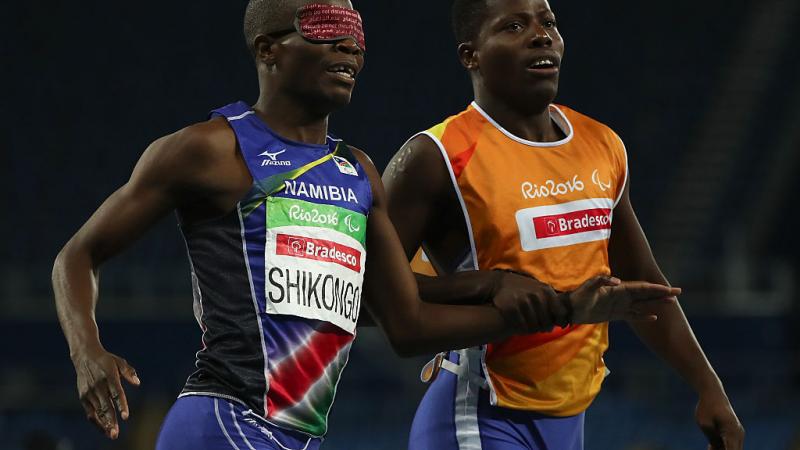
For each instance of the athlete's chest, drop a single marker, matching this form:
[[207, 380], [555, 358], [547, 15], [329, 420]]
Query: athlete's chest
[[313, 175], [308, 208]]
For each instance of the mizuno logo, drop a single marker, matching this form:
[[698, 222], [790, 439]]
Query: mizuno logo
[[272, 156], [272, 159]]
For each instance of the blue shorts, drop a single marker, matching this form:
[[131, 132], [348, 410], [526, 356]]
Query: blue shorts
[[200, 422], [455, 414]]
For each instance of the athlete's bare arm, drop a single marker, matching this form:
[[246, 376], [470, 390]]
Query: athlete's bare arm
[[423, 206], [174, 172], [671, 337]]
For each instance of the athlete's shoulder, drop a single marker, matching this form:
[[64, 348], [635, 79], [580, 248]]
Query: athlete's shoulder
[[194, 159], [376, 185], [202, 141], [364, 159]]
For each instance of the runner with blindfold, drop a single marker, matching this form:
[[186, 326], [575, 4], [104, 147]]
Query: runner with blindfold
[[277, 216]]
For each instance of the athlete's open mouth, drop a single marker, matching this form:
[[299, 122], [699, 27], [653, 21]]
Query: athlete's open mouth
[[344, 70], [544, 63]]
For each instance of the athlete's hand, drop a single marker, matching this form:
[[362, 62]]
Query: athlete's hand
[[100, 387], [527, 304], [715, 416], [604, 298]]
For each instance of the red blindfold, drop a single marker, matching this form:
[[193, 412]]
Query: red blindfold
[[318, 22]]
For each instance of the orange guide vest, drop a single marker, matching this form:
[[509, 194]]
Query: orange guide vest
[[545, 209]]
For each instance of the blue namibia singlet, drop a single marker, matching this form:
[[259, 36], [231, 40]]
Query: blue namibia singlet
[[277, 282]]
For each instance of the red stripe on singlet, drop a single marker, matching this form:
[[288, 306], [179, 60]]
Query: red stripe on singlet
[[291, 380]]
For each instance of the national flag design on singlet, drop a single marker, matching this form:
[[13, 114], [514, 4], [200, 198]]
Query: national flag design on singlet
[[314, 261], [302, 233], [545, 209]]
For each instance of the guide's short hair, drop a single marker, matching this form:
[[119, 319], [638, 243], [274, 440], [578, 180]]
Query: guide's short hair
[[264, 16], [467, 17]]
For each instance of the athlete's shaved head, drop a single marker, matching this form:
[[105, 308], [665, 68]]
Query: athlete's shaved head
[[468, 16], [266, 16]]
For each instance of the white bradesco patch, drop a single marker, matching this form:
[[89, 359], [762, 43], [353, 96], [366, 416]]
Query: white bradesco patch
[[565, 224]]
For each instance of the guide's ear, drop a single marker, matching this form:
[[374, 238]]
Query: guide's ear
[[467, 55]]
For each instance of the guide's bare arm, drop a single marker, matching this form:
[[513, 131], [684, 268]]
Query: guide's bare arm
[[671, 337]]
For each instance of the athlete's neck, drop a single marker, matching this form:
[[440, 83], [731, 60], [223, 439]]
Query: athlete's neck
[[290, 119], [532, 125]]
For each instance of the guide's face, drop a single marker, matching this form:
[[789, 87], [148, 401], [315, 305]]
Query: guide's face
[[519, 49]]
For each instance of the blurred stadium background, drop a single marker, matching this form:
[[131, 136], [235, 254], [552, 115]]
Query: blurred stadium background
[[705, 94]]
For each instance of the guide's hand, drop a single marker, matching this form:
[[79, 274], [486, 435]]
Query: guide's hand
[[100, 388], [527, 304], [716, 418], [605, 298]]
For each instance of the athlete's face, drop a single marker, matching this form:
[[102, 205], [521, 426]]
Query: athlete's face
[[517, 53], [324, 74]]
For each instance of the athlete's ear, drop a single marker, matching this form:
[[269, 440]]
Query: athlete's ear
[[467, 56], [265, 50]]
